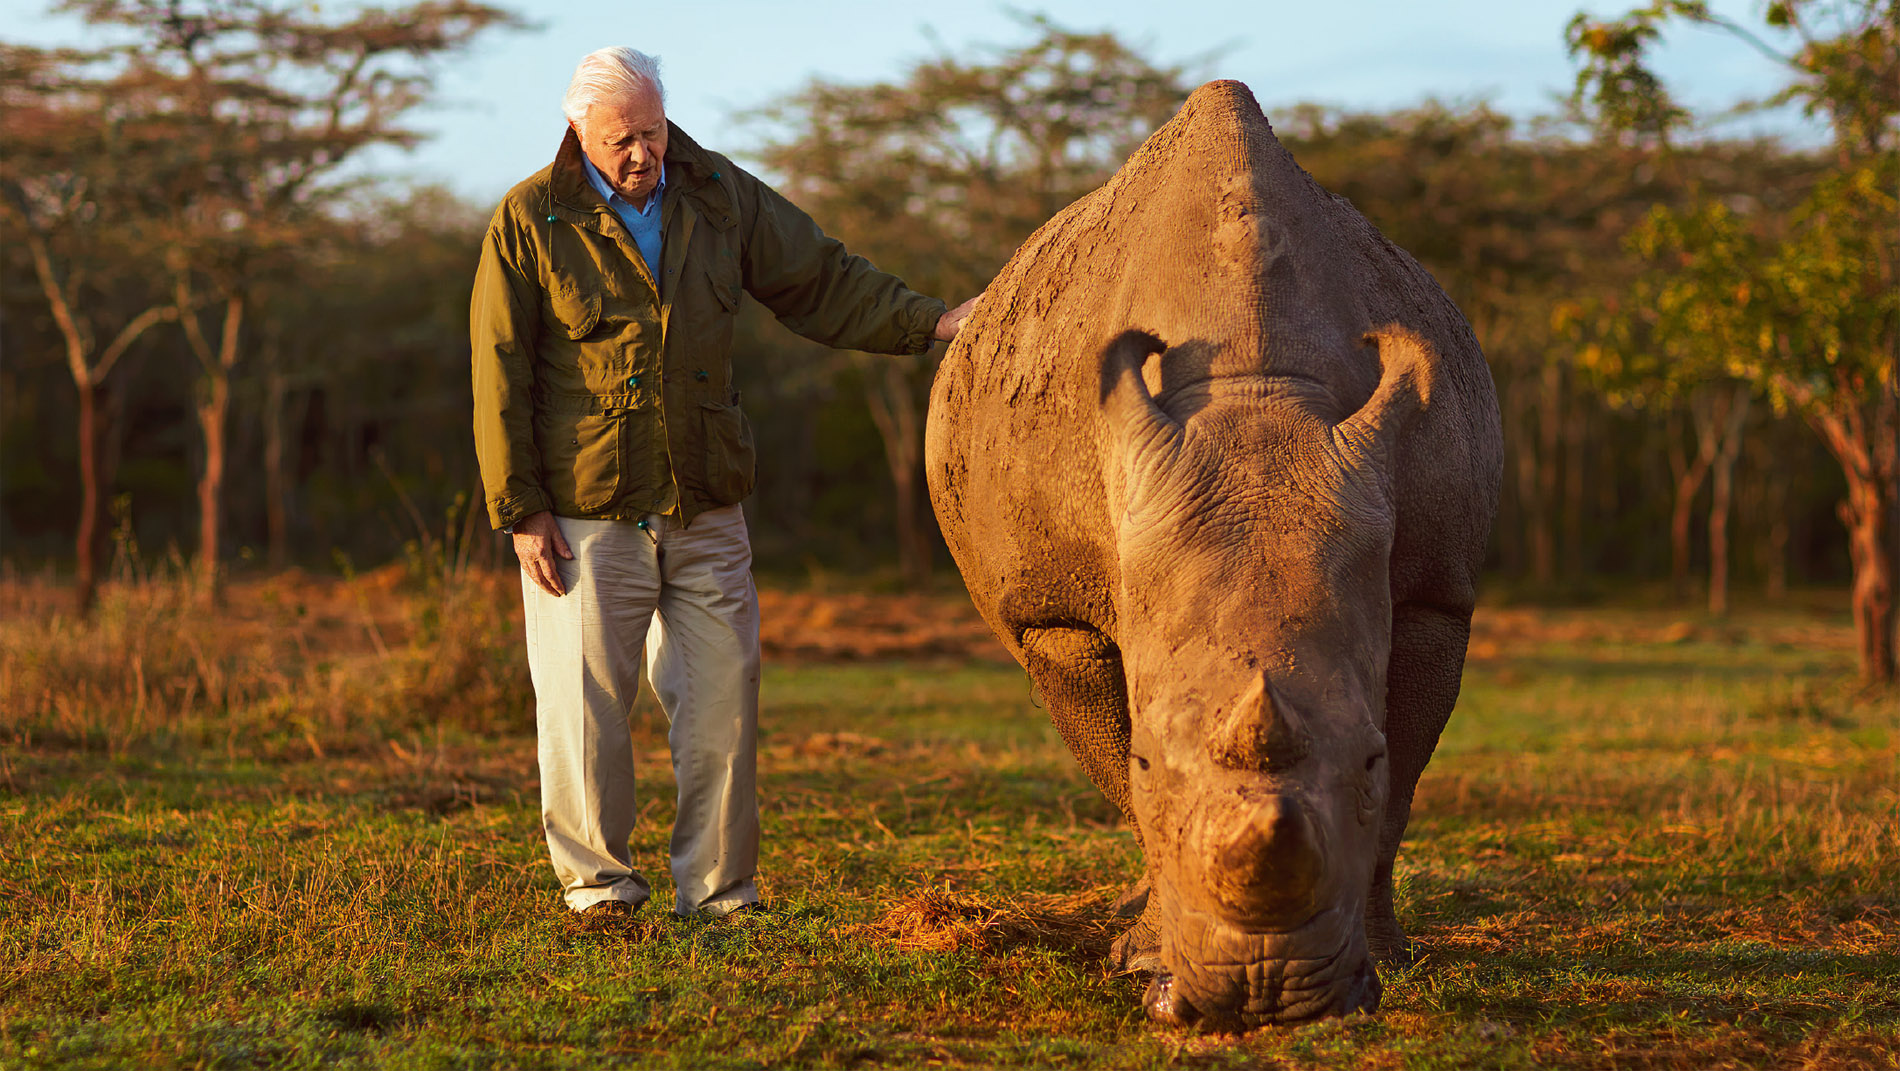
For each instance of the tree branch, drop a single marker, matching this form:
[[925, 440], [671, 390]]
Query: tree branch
[[57, 300], [129, 334], [1748, 38], [188, 319]]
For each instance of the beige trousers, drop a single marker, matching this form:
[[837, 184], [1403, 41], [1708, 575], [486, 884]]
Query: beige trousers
[[685, 596]]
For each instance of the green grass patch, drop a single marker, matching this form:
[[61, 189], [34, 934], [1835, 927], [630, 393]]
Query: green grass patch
[[1637, 847]]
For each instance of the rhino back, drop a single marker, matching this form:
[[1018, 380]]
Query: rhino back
[[1212, 238]]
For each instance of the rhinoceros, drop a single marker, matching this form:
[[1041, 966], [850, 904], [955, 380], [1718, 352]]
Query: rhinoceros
[[1218, 462]]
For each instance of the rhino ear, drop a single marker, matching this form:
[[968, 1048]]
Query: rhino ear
[[1146, 442], [1407, 370], [1130, 409]]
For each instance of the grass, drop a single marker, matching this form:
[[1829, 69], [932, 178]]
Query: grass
[[305, 831]]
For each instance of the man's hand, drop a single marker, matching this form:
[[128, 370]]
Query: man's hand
[[537, 541], [949, 322]]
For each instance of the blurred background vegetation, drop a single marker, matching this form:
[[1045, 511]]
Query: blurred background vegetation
[[219, 345]]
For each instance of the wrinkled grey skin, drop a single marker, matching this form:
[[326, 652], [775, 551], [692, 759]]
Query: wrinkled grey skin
[[1218, 463]]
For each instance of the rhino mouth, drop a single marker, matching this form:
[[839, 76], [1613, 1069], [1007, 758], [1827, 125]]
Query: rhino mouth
[[1221, 978]]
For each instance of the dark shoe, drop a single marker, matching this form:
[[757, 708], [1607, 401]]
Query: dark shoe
[[729, 911], [603, 917], [744, 914]]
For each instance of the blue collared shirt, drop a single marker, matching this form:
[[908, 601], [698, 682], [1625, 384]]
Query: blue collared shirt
[[642, 223]]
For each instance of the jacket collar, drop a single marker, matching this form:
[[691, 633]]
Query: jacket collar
[[689, 169]]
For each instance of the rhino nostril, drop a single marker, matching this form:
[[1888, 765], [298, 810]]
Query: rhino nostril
[[1167, 1006]]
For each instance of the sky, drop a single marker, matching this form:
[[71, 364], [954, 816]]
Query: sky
[[496, 114]]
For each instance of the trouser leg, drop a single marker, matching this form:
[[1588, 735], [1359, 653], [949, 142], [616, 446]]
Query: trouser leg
[[703, 660], [584, 656]]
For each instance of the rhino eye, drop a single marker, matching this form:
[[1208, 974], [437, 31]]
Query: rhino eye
[[1372, 761], [1139, 761]]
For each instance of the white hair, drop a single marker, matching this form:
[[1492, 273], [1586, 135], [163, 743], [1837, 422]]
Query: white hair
[[609, 74]]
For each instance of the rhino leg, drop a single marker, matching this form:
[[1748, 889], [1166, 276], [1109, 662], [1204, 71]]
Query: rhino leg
[[1078, 671], [1428, 658]]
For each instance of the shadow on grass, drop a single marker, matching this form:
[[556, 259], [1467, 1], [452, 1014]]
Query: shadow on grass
[[1670, 670], [1786, 990]]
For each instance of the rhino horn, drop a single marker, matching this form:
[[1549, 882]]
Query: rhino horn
[[1260, 732], [1271, 862], [1406, 364]]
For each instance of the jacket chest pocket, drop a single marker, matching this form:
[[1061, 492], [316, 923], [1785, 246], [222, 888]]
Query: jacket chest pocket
[[571, 311]]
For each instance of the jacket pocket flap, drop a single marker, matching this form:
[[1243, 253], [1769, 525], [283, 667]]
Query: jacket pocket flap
[[576, 311], [726, 289]]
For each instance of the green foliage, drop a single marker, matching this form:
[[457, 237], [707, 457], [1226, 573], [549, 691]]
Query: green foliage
[[355, 343], [1833, 315], [1614, 83], [940, 176], [1672, 333], [1804, 307]]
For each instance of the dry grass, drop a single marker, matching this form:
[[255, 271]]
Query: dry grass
[[342, 665], [304, 831], [941, 920]]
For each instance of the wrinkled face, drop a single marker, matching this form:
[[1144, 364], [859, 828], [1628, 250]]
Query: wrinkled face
[[1257, 765], [625, 138]]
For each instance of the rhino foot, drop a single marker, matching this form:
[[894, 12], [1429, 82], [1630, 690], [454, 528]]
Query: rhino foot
[[1134, 901], [1138, 949], [1387, 942]]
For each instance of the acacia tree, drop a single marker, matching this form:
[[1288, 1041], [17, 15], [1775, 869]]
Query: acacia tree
[[1811, 301], [251, 105], [1659, 347], [940, 176], [65, 187]]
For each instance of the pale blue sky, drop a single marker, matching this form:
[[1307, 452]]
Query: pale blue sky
[[497, 114]]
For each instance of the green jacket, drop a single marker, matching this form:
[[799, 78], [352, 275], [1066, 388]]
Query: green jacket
[[600, 394]]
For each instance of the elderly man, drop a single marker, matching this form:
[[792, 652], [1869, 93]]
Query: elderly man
[[612, 445]]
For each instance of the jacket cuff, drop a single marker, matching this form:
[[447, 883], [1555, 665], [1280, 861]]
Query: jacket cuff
[[504, 512], [921, 331]]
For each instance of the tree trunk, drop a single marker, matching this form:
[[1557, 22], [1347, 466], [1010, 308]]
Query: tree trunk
[[1681, 516], [1544, 522], [276, 486], [1576, 431], [211, 414], [913, 534], [895, 412], [1871, 543], [1866, 443], [1511, 525], [86, 543], [1772, 506], [1775, 580], [1690, 471], [89, 378], [212, 409], [1524, 451], [1729, 424]]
